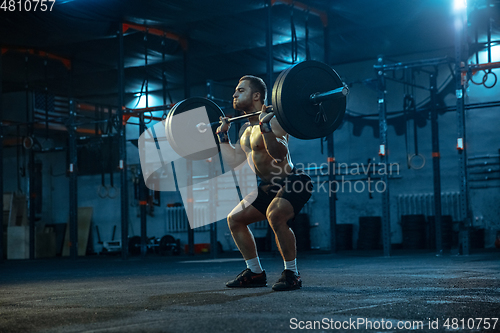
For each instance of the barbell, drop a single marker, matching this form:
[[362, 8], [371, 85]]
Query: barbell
[[308, 100], [315, 98]]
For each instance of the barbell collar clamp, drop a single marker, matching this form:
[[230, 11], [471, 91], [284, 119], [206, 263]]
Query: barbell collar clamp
[[319, 97]]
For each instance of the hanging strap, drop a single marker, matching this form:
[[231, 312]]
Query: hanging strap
[[415, 132], [46, 75], [308, 51], [112, 191], [146, 64], [294, 36], [406, 109], [102, 190], [164, 76]]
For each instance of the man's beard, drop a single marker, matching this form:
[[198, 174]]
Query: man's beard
[[242, 105]]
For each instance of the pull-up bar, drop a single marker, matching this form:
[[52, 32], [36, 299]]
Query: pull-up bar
[[413, 64], [149, 109]]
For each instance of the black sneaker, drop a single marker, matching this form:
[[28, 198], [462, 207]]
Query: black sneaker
[[248, 279], [288, 281]]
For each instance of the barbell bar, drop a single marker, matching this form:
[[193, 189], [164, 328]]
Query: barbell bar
[[308, 100], [315, 98]]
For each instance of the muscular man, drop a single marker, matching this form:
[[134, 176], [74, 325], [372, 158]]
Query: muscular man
[[282, 191]]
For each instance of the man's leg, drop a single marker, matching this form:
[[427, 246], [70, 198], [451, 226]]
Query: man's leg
[[238, 221], [288, 201], [279, 212]]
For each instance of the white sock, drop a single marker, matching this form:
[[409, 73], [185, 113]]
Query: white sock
[[254, 265], [292, 266]]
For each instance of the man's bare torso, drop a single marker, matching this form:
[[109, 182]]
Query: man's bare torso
[[260, 161]]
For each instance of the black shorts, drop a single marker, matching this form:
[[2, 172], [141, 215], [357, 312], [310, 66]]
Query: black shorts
[[296, 188]]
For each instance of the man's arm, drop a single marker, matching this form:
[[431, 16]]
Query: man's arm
[[232, 155], [275, 137]]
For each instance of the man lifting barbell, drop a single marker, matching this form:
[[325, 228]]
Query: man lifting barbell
[[309, 102], [282, 191]]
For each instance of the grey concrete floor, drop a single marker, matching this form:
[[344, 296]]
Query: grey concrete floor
[[359, 291]]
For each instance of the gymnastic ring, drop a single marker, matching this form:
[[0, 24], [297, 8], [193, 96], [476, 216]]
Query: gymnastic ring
[[485, 78], [102, 191], [412, 157], [112, 192], [28, 142]]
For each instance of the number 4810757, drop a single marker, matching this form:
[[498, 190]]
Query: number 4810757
[[27, 5]]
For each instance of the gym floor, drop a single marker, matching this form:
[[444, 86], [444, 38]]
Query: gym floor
[[417, 290]]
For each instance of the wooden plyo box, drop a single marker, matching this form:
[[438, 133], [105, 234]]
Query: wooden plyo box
[[14, 208], [45, 243], [84, 222], [18, 242], [7, 203]]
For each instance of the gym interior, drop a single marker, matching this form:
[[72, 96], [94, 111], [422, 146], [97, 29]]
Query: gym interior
[[115, 206]]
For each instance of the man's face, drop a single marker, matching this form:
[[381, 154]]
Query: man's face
[[243, 97]]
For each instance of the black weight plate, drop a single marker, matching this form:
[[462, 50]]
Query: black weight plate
[[183, 135], [277, 91], [277, 84], [293, 107], [275, 98], [325, 79], [167, 245]]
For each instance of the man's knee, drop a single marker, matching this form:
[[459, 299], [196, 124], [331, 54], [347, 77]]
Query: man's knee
[[278, 219], [233, 222]]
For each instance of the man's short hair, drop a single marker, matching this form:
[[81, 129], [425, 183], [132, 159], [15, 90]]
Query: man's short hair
[[256, 85]]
